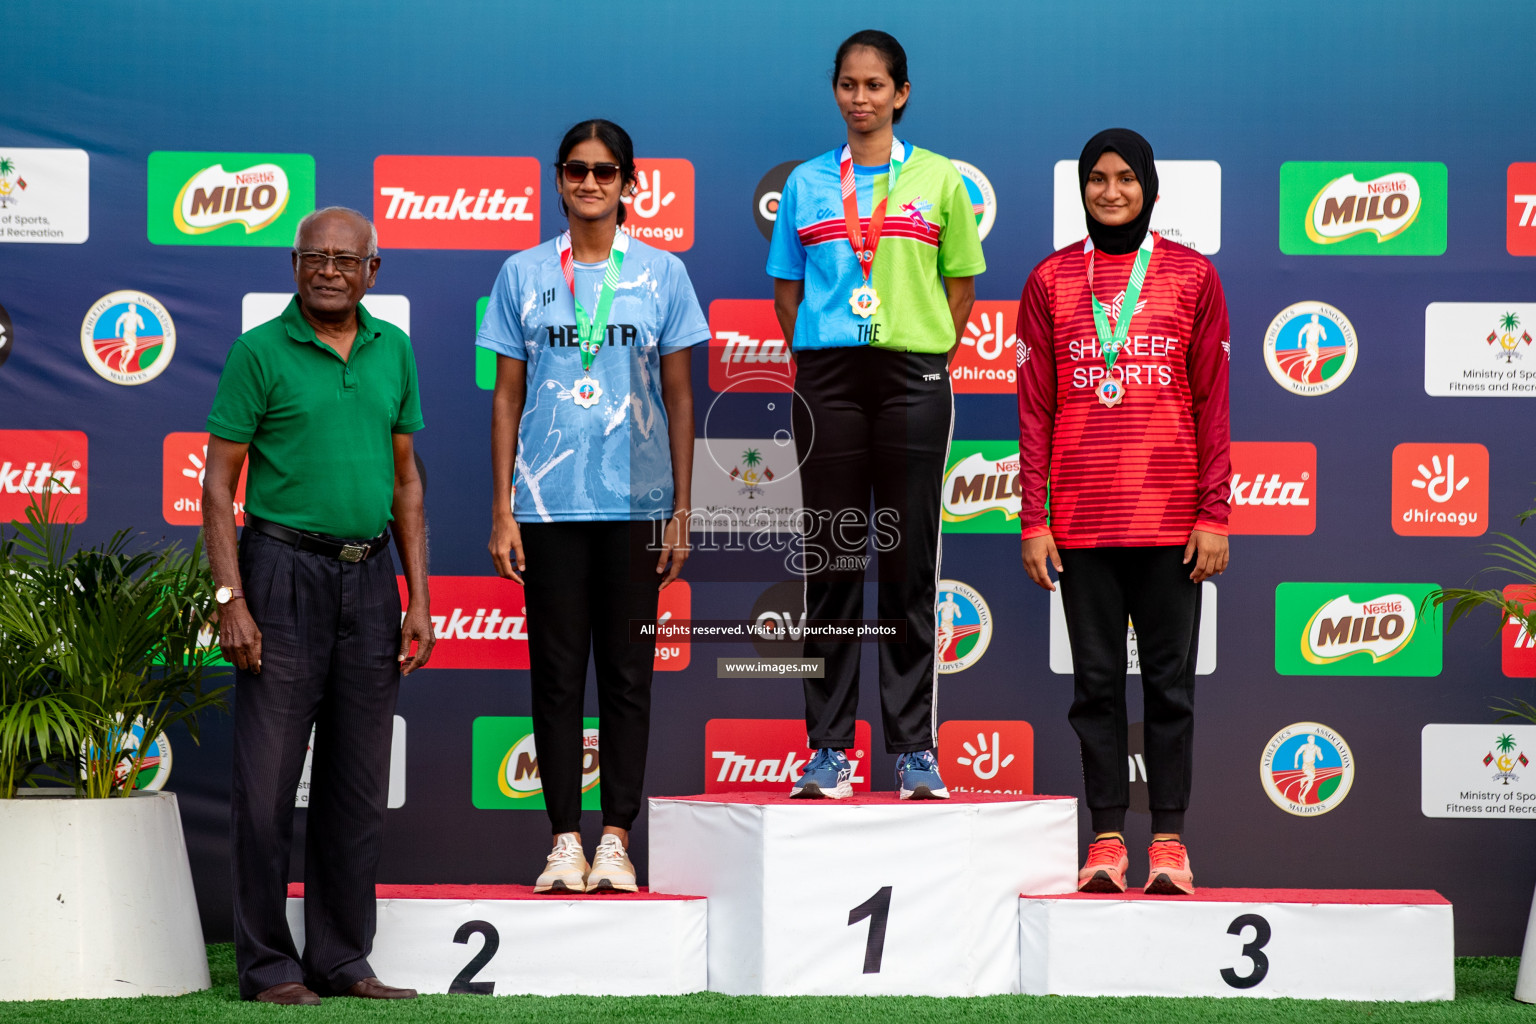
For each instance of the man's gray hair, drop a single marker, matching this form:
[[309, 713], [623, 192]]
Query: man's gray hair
[[373, 232]]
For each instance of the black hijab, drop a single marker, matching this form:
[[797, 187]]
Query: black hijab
[[1136, 152]]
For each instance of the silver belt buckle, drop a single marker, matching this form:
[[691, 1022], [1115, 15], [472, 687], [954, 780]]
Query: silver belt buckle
[[353, 552]]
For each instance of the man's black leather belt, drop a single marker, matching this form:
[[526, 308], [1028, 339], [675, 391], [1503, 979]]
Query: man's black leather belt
[[319, 543]]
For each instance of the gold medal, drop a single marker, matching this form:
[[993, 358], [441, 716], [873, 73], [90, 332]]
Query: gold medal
[[864, 301], [1111, 392], [585, 392]]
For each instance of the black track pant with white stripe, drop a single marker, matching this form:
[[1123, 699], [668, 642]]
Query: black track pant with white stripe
[[872, 430]]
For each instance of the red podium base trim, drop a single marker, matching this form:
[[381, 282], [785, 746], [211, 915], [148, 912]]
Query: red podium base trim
[[493, 892], [1316, 897]]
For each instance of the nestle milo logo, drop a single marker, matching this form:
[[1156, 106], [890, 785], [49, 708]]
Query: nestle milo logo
[[1357, 629], [1342, 627], [228, 198], [981, 491], [1371, 208]]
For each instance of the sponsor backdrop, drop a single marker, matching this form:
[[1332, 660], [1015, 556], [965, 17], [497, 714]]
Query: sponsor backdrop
[[1380, 406]]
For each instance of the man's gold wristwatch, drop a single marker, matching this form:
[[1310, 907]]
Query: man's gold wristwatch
[[224, 595]]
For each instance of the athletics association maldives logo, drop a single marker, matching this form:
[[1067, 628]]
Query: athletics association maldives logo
[[1307, 769], [154, 761], [964, 626], [456, 202], [983, 198], [661, 210], [1310, 348], [128, 338]]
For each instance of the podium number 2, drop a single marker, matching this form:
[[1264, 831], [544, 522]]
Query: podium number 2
[[1252, 950], [878, 909], [464, 983]]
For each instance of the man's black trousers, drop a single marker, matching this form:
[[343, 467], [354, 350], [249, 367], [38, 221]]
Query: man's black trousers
[[1100, 589], [872, 426], [585, 583], [330, 643]]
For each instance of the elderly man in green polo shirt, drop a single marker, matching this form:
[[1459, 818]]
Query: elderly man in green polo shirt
[[323, 401]]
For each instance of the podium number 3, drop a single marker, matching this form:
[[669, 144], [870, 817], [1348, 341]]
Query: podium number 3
[[1252, 950], [878, 909]]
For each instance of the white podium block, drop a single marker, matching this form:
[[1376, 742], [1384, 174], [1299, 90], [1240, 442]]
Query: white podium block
[[504, 940], [863, 896], [1392, 944]]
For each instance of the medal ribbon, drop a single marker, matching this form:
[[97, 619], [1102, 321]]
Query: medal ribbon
[[1110, 343], [864, 247], [591, 332]]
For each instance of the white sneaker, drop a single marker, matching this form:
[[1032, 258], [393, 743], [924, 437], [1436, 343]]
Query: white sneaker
[[611, 869], [566, 869]]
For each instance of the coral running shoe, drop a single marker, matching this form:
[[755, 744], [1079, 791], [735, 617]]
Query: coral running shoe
[[1168, 872], [611, 869], [826, 774], [1105, 868], [566, 869], [917, 777]]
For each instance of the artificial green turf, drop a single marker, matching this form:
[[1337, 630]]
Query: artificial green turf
[[1483, 994]]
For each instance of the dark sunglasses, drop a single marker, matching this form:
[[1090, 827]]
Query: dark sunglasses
[[576, 171]]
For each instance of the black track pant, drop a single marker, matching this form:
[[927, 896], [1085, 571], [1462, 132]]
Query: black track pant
[[584, 583], [330, 640], [1100, 589], [872, 426]]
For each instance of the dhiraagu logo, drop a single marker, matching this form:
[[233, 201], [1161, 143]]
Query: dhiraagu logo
[[1356, 629], [1362, 209], [506, 765], [228, 198], [981, 490]]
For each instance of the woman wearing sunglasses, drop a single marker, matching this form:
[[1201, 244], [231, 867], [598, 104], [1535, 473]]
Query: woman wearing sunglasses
[[874, 255], [1122, 382], [593, 419]]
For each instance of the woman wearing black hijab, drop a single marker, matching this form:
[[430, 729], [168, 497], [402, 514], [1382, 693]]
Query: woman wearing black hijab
[[1123, 351]]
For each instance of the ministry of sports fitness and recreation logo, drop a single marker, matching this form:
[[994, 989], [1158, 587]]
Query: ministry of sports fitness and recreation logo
[[983, 198], [1274, 487], [746, 350], [1310, 348], [396, 792], [661, 209], [1477, 771], [34, 463], [964, 626], [981, 492], [1520, 218], [751, 474], [1363, 209], [1307, 769], [767, 755], [128, 338], [7, 336], [987, 757], [1440, 490], [1505, 758], [1479, 349], [987, 361], [505, 765], [228, 198], [45, 195], [456, 202], [184, 463], [1357, 629]]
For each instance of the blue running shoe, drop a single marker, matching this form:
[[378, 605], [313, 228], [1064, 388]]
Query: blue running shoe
[[826, 774], [917, 777]]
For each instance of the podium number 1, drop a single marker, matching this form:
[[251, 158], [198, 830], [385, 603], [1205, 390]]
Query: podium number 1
[[878, 909]]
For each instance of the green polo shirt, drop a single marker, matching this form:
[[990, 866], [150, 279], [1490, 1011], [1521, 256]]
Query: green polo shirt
[[320, 430]]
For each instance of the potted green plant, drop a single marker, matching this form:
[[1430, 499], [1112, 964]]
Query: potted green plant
[[99, 656], [1515, 604]]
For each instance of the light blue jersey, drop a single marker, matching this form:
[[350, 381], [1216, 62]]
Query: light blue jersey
[[612, 461]]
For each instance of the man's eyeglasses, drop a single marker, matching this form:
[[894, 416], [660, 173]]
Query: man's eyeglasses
[[576, 172], [346, 262]]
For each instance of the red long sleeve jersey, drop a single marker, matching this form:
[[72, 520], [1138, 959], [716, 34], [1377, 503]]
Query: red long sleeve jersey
[[1151, 469]]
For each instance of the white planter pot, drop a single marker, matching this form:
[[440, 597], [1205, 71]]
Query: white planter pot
[[1525, 983], [96, 898]]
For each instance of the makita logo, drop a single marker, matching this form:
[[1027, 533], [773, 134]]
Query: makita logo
[[743, 348], [1519, 646], [1271, 491], [36, 479], [407, 205], [736, 767], [1380, 627], [1274, 487], [482, 625], [456, 202]]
